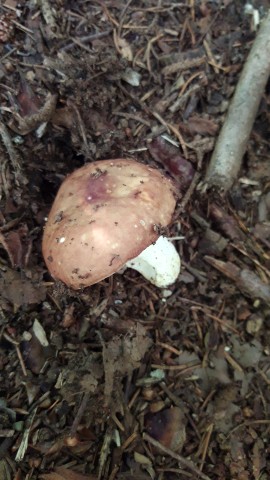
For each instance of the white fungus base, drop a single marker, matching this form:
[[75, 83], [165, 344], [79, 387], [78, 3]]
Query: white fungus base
[[159, 263]]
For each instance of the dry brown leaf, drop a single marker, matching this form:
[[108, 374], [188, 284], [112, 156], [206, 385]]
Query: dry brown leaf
[[18, 290], [202, 126], [17, 476], [227, 223], [62, 473], [36, 349], [262, 232], [18, 245], [123, 47], [64, 117], [258, 458], [168, 427], [27, 100], [169, 156], [31, 122], [123, 355]]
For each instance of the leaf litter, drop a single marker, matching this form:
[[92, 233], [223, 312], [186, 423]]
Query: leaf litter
[[93, 377]]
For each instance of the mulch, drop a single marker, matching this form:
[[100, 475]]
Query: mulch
[[123, 380]]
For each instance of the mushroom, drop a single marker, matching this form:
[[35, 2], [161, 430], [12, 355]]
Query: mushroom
[[108, 214]]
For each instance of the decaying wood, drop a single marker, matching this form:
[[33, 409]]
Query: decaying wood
[[232, 141]]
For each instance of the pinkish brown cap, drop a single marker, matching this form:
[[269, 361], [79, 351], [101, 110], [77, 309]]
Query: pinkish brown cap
[[105, 214]]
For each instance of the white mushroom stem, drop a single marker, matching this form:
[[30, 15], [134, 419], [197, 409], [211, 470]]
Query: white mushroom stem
[[159, 263]]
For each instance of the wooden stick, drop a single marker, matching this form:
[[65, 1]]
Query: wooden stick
[[234, 135]]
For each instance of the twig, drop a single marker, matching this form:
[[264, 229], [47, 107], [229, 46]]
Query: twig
[[16, 345], [224, 322], [232, 141], [88, 38], [79, 414], [81, 126], [205, 443], [175, 368], [246, 280], [81, 45], [187, 463], [20, 357], [130, 116]]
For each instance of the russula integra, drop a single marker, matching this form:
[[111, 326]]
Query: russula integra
[[105, 215]]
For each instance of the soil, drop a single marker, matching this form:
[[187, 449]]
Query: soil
[[123, 380]]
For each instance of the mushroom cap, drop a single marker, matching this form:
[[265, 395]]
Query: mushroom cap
[[105, 213]]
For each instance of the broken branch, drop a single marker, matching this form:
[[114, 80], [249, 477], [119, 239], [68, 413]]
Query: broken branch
[[231, 145]]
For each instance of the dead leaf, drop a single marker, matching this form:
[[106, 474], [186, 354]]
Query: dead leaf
[[18, 290], [262, 231], [123, 355], [123, 47], [5, 470], [64, 117], [89, 382], [18, 246], [224, 408], [248, 354], [167, 427], [62, 473], [169, 156], [35, 348], [27, 100], [83, 373], [201, 126], [212, 243], [258, 458], [227, 223], [203, 24], [31, 122], [18, 475], [68, 316], [238, 463], [211, 376]]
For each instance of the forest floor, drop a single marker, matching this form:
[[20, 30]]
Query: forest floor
[[123, 380]]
